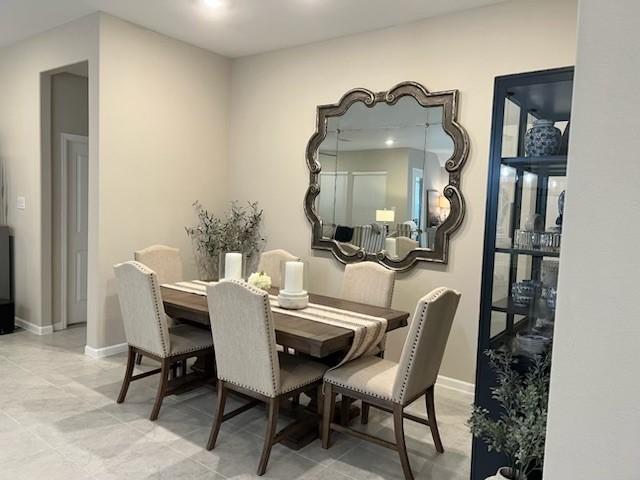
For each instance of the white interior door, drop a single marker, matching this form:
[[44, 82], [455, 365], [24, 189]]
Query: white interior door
[[77, 178], [369, 194]]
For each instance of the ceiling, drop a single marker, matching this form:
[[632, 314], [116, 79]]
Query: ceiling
[[232, 28], [404, 125]]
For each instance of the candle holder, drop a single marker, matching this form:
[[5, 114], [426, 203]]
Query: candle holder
[[232, 266], [293, 296], [293, 301]]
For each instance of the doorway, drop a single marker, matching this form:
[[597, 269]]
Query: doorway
[[65, 186]]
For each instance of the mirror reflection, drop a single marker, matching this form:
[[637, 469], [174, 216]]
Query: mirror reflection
[[383, 177]]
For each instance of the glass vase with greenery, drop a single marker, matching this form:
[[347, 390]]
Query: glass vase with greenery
[[519, 430], [238, 230]]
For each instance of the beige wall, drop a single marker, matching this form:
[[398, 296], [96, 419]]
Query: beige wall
[[274, 97], [69, 114], [21, 66], [163, 145], [594, 407]]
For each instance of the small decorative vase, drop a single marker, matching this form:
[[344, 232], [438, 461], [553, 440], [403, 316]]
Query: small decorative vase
[[504, 473], [542, 140]]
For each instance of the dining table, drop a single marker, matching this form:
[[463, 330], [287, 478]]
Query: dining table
[[322, 341]]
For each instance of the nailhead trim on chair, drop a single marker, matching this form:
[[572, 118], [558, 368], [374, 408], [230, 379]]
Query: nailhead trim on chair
[[156, 301], [360, 390], [423, 314], [270, 327]]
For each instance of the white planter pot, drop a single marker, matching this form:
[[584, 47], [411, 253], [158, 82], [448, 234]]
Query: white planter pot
[[501, 475]]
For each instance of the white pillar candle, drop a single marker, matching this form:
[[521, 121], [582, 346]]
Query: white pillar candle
[[293, 277], [233, 266], [390, 247]]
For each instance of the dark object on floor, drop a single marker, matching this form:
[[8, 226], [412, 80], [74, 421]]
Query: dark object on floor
[[7, 309]]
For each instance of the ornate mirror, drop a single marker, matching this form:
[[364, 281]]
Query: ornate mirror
[[385, 176]]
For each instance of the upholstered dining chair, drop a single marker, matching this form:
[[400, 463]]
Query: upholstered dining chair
[[391, 386], [148, 333], [247, 360], [166, 262], [271, 264], [368, 282]]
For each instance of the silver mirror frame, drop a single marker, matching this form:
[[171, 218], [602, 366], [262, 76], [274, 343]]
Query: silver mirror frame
[[446, 99]]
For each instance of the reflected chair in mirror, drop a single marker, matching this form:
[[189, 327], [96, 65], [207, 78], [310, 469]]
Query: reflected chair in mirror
[[271, 263], [248, 363], [147, 331], [166, 262], [369, 237], [391, 386], [404, 245], [403, 230]]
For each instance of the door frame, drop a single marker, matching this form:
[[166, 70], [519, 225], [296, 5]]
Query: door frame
[[66, 138]]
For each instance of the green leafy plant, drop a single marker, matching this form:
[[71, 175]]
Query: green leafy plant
[[239, 230], [520, 429]]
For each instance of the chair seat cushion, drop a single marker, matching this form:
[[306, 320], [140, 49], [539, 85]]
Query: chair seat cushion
[[185, 339], [372, 376], [296, 372]]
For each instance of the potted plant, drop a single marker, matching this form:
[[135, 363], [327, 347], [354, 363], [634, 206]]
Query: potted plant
[[238, 230], [519, 430]]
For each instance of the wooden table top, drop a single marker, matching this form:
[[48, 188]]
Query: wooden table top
[[306, 336]]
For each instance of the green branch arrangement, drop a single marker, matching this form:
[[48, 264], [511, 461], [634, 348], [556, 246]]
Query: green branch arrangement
[[520, 429], [238, 230]]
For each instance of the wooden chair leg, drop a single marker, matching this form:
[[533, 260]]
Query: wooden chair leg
[[364, 415], [327, 415], [215, 428], [345, 414], [162, 388], [183, 368], [433, 422], [127, 375], [272, 423], [138, 359], [398, 428]]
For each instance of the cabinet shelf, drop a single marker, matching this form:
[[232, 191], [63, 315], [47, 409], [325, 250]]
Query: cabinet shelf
[[505, 305], [555, 165], [532, 253]]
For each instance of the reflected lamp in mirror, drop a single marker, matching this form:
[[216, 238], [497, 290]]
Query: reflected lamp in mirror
[[385, 215], [402, 147]]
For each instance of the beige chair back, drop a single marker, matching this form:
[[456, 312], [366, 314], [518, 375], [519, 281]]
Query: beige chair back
[[271, 263], [424, 347], [145, 323], [368, 282], [244, 338], [163, 260]]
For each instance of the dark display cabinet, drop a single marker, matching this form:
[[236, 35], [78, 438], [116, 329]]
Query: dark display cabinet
[[524, 215]]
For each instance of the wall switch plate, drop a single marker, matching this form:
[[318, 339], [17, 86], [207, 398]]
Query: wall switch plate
[[21, 203]]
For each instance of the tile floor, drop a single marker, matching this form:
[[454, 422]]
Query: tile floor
[[59, 420]]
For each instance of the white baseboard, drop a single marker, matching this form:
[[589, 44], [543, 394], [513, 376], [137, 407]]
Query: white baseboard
[[105, 351], [33, 328], [458, 385]]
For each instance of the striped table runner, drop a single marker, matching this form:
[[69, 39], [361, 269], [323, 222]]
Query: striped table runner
[[368, 331]]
